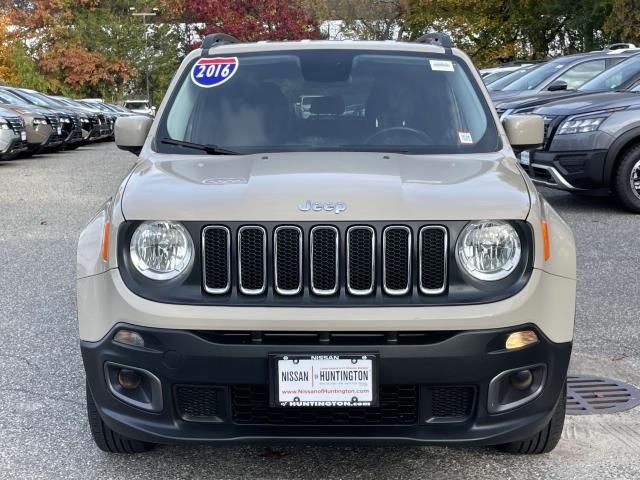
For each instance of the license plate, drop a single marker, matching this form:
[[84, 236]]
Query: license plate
[[525, 158], [59, 130], [23, 136], [324, 380]]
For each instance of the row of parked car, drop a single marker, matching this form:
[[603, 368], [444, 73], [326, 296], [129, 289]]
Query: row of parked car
[[590, 104], [32, 122]]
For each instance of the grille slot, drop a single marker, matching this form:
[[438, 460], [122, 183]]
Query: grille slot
[[432, 262], [396, 252], [287, 246], [216, 259], [324, 260], [252, 260], [361, 263], [398, 406]]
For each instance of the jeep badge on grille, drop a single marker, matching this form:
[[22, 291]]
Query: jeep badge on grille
[[311, 206]]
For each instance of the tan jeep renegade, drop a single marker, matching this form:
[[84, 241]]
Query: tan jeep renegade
[[327, 240]]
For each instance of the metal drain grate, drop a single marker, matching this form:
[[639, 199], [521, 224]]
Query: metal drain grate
[[594, 395]]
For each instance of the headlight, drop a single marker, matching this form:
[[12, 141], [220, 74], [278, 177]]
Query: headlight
[[39, 121], [488, 250], [580, 125], [4, 125], [161, 250], [84, 119], [65, 120]]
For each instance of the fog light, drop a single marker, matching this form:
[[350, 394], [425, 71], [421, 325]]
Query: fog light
[[521, 380], [521, 339], [129, 337], [128, 379]]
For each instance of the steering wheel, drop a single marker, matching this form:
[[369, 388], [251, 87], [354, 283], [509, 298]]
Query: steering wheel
[[406, 131]]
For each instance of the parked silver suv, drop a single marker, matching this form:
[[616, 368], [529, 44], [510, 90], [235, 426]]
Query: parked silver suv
[[326, 240]]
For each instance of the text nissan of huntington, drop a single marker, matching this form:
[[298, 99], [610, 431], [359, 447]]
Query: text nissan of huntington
[[327, 240]]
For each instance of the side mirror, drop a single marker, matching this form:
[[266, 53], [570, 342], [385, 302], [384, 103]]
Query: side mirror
[[524, 131], [131, 132], [557, 86]]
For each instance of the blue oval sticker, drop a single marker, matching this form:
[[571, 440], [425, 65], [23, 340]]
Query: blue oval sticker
[[211, 72]]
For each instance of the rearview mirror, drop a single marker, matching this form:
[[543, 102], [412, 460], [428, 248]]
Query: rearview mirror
[[557, 86], [524, 131], [131, 132]]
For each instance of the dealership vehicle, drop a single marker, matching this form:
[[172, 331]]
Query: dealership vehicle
[[491, 75], [624, 76], [387, 273], [509, 79], [142, 107], [13, 136], [592, 146], [42, 124], [564, 73], [98, 126], [70, 121]]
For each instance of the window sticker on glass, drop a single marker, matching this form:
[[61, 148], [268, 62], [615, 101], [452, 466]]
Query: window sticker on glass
[[211, 72], [441, 65], [465, 138]]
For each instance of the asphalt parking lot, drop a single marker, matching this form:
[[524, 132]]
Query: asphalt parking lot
[[45, 202]]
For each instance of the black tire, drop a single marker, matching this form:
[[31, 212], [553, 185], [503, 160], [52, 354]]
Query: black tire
[[621, 182], [106, 439], [546, 439]]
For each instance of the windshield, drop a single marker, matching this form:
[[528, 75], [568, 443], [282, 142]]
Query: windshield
[[536, 77], [341, 100], [31, 98], [615, 77], [11, 99], [495, 76], [137, 105], [509, 79]]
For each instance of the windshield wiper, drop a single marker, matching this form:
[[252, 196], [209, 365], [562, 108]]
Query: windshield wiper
[[209, 149]]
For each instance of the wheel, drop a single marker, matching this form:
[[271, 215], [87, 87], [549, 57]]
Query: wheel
[[626, 180], [546, 439], [106, 439]]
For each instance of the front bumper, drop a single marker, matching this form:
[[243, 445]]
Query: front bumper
[[465, 359], [571, 171], [11, 144]]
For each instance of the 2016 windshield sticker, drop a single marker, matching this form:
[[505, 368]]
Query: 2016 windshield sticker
[[441, 65], [465, 138], [212, 72]]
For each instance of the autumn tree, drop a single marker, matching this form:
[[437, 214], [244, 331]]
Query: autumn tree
[[363, 19], [253, 20]]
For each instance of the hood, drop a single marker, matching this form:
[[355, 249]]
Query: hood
[[501, 95], [28, 109], [590, 103], [371, 186], [535, 99]]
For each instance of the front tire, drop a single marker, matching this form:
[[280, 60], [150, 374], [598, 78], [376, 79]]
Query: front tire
[[106, 439], [626, 180], [546, 439]]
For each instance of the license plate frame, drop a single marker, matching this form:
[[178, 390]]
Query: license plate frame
[[326, 400]]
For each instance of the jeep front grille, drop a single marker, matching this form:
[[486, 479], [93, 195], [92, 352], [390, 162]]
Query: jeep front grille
[[325, 261]]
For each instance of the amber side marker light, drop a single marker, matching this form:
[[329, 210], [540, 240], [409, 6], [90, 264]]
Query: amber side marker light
[[105, 241], [545, 241], [521, 339]]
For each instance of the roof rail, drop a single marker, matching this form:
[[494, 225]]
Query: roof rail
[[215, 39], [436, 38]]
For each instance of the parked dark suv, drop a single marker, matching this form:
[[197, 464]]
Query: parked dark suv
[[592, 145], [624, 76], [565, 73]]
